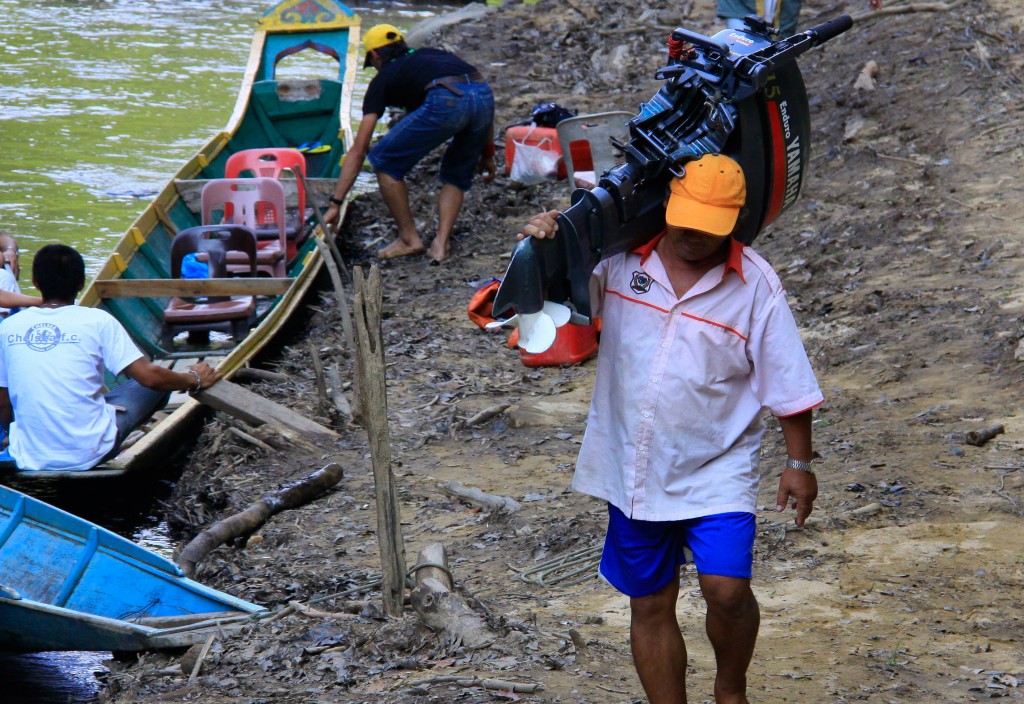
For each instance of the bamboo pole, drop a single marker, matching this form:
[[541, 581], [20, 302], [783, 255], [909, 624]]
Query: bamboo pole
[[332, 259], [372, 389]]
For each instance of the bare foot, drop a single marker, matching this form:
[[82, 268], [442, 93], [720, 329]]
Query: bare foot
[[398, 248], [437, 254]]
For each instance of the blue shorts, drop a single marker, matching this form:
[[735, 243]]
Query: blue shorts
[[466, 120], [641, 557]]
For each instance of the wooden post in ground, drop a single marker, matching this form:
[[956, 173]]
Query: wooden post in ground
[[373, 402]]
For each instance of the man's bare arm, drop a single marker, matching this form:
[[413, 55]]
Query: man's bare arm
[[795, 484]]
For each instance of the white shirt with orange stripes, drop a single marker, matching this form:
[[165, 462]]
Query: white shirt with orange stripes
[[674, 430]]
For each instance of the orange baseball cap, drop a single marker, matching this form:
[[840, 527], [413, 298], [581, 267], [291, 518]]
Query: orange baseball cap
[[708, 197]]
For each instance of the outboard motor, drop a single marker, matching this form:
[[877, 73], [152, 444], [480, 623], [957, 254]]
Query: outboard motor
[[738, 93]]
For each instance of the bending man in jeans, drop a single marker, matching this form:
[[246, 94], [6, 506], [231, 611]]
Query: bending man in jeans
[[446, 99], [52, 359], [782, 14]]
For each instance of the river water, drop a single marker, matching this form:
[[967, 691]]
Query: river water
[[100, 102]]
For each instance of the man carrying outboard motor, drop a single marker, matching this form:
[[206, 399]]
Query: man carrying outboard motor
[[446, 99], [697, 339]]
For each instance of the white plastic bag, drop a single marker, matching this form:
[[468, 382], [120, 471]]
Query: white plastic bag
[[534, 164]]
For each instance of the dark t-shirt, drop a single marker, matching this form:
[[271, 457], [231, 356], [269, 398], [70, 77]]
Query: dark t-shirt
[[400, 83]]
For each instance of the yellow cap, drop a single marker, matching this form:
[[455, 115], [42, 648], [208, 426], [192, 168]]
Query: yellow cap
[[708, 197], [378, 36]]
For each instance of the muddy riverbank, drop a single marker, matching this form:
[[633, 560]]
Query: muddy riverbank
[[902, 263]]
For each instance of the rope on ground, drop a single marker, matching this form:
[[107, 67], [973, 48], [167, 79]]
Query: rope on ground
[[567, 570], [411, 574]]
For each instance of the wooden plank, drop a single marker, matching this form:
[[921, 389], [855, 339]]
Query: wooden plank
[[318, 190], [255, 410], [164, 219], [165, 288]]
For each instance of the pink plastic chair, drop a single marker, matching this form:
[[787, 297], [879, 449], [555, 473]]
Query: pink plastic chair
[[273, 163], [240, 202]]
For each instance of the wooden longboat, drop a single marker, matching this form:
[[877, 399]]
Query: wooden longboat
[[68, 584], [135, 284]]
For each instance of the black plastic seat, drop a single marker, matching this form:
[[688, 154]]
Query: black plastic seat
[[199, 316]]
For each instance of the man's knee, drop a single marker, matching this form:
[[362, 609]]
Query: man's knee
[[653, 607], [729, 596]]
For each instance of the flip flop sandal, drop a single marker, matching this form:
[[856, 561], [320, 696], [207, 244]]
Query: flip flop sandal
[[313, 148]]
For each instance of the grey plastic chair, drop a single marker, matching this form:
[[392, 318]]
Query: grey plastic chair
[[596, 130]]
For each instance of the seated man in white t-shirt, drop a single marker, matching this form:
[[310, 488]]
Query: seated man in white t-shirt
[[9, 269], [9, 255], [10, 284], [52, 360]]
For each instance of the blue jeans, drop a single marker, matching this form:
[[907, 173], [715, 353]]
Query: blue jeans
[[139, 404], [466, 120]]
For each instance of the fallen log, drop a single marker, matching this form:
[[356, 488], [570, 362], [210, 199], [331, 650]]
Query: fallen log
[[485, 682], [258, 513], [440, 608], [279, 436], [486, 414], [270, 438], [255, 442], [432, 563], [306, 610], [982, 435], [477, 497], [253, 374]]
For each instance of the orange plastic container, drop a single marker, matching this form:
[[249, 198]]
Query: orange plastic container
[[546, 138], [573, 344]]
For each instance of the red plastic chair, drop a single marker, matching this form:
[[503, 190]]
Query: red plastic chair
[[274, 163], [239, 201]]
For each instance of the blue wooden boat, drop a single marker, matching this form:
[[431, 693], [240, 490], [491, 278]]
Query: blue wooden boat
[[68, 584], [296, 93]]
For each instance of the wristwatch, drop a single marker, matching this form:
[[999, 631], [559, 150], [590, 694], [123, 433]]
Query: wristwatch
[[799, 465]]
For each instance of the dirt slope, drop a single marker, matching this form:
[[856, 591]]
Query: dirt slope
[[901, 260]]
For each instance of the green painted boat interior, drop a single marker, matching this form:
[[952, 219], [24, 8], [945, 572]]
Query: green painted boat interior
[[291, 114], [280, 113]]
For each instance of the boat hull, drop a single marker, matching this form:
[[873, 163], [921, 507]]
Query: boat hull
[[69, 584]]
